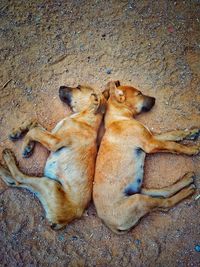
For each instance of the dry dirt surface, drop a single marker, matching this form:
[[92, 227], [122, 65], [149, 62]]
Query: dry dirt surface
[[153, 45]]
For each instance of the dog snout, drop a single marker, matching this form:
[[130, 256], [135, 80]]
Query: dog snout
[[149, 102], [65, 94]]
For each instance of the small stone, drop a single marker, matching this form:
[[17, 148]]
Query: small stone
[[74, 237], [28, 90], [197, 248], [137, 242], [2, 209], [61, 238], [37, 19], [108, 71], [170, 29], [82, 47]]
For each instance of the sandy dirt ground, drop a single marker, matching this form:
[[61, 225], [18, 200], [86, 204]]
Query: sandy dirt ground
[[153, 45]]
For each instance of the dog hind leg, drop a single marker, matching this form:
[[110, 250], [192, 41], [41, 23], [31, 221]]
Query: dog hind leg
[[49, 192], [137, 206], [170, 190], [7, 177]]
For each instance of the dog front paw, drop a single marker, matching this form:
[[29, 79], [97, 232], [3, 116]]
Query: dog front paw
[[28, 150], [194, 134], [15, 135]]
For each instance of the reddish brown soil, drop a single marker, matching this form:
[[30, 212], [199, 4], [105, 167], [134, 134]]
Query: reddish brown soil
[[153, 45]]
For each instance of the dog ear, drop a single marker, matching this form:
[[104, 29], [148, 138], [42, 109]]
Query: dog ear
[[95, 102], [99, 103], [120, 95], [111, 89], [106, 93], [117, 83]]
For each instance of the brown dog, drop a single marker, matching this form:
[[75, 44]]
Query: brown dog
[[66, 188], [119, 199]]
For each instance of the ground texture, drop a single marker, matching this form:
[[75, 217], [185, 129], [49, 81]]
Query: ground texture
[[153, 45]]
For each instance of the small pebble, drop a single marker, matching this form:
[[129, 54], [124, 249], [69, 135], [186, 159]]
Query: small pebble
[[37, 20], [108, 71], [170, 29], [2, 209], [82, 47], [74, 237], [61, 238], [197, 248], [28, 90], [137, 242]]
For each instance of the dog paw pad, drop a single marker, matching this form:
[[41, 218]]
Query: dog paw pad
[[28, 151]]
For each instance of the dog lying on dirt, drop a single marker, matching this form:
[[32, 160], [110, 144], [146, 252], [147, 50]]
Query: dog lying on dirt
[[66, 188], [118, 195]]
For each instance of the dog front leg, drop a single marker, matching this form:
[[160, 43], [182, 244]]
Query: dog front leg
[[24, 127], [51, 141], [178, 135], [153, 145]]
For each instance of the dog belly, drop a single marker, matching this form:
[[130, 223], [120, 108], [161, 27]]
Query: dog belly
[[119, 172], [135, 186], [51, 168]]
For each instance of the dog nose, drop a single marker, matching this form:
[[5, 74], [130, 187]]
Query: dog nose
[[153, 100], [148, 103], [65, 94]]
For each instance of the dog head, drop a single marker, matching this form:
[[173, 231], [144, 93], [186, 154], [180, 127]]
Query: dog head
[[129, 97], [81, 98]]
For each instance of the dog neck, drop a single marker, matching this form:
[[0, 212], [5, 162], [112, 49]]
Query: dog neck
[[117, 112], [90, 118]]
